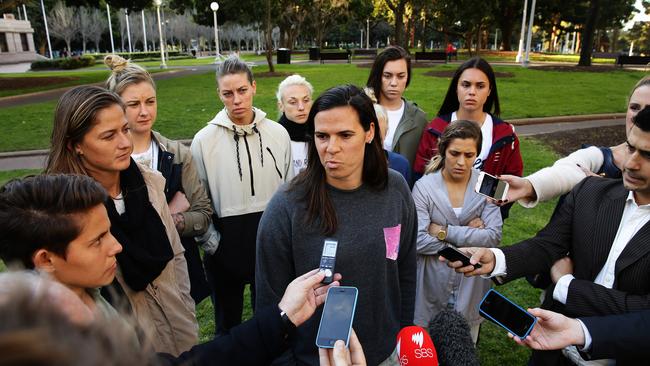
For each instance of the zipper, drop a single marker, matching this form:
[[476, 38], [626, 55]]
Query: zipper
[[275, 162], [250, 165]]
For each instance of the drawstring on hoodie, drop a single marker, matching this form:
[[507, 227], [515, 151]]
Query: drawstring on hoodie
[[241, 177], [261, 149], [248, 152]]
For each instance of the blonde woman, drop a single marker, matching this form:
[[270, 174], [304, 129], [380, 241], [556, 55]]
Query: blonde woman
[[294, 102], [188, 202]]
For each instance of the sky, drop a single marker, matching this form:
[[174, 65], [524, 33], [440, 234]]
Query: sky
[[640, 16]]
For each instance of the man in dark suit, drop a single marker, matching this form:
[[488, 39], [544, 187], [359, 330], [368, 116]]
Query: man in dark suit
[[602, 229], [613, 336]]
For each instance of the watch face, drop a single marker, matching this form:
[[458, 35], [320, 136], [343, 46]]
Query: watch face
[[442, 235]]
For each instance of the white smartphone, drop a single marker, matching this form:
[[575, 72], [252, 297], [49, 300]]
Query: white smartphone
[[338, 315], [489, 186]]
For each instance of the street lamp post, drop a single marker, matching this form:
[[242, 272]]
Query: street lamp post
[[523, 30], [530, 33], [47, 32], [110, 27], [128, 29], [163, 65], [144, 33], [215, 6], [367, 33]]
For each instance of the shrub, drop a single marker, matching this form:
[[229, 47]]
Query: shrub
[[140, 55], [67, 63]]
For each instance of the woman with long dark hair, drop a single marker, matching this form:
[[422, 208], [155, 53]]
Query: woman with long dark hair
[[91, 136], [473, 96], [389, 77], [346, 193]]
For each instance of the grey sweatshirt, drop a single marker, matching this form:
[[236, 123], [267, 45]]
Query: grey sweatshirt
[[287, 247]]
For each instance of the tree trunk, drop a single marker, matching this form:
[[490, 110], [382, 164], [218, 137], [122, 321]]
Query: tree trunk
[[588, 34], [400, 39], [269, 36], [283, 37], [613, 44], [468, 43]]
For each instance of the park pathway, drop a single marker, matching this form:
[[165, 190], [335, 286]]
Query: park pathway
[[35, 159]]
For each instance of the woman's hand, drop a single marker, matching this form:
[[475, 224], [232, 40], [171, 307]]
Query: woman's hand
[[434, 229], [476, 223], [179, 203]]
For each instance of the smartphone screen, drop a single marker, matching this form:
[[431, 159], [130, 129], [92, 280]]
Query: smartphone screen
[[338, 314], [492, 187], [507, 314]]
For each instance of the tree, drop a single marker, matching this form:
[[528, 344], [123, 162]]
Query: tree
[[97, 25], [83, 19], [506, 14], [398, 7], [61, 22], [324, 14], [268, 36]]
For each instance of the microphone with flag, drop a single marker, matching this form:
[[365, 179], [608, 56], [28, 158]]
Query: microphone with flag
[[415, 348]]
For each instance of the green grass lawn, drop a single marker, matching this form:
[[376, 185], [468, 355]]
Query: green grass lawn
[[187, 103], [77, 77]]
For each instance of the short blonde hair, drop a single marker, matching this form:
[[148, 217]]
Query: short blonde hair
[[294, 79], [125, 73]]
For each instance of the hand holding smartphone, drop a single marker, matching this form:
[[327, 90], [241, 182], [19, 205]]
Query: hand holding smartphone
[[338, 315], [492, 187], [507, 314], [454, 255]]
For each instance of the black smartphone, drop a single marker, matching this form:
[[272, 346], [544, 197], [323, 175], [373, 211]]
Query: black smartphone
[[453, 255], [507, 314], [338, 315]]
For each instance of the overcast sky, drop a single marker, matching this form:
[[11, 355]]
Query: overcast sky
[[641, 16]]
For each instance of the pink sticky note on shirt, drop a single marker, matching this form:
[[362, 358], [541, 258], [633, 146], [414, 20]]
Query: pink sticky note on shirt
[[391, 237]]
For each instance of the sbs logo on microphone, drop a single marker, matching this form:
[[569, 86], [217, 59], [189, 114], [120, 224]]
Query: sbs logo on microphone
[[418, 338], [423, 353]]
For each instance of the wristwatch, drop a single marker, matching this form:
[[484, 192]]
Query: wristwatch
[[442, 233], [287, 324]]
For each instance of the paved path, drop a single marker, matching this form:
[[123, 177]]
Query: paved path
[[36, 159]]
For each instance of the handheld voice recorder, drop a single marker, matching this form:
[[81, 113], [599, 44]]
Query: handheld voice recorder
[[328, 259]]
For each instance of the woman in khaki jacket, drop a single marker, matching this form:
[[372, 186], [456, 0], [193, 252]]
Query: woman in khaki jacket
[[187, 199], [91, 137]]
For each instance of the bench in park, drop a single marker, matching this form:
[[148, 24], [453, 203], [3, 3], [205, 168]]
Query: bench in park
[[605, 55], [632, 60], [431, 56], [365, 52], [334, 55]]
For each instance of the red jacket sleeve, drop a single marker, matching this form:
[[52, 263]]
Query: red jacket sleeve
[[427, 149]]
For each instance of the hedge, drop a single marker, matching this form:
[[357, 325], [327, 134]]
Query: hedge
[[67, 63], [140, 55]]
